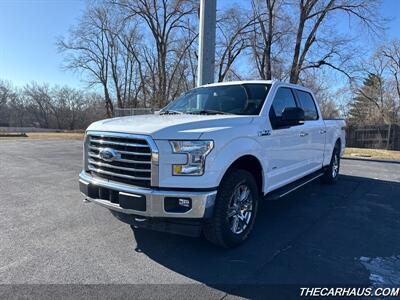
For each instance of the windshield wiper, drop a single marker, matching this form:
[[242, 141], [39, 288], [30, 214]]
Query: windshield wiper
[[209, 112], [171, 112]]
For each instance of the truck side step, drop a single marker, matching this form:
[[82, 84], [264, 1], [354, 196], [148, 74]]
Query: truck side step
[[287, 189]]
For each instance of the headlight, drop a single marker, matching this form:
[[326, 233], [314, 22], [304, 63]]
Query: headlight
[[196, 152]]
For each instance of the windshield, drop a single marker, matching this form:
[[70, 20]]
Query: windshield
[[244, 99]]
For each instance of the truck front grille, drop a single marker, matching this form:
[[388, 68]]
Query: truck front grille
[[130, 162]]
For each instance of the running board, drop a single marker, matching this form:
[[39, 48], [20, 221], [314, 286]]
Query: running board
[[287, 189]]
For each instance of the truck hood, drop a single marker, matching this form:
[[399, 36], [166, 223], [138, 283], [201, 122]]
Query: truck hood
[[171, 126]]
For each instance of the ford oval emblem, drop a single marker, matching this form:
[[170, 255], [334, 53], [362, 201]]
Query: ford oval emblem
[[109, 154]]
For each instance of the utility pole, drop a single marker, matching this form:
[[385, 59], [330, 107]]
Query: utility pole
[[206, 64]]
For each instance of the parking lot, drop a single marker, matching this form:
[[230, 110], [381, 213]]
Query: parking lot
[[345, 234]]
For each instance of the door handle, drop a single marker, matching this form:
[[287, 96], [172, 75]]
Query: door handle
[[322, 131], [264, 132], [303, 134]]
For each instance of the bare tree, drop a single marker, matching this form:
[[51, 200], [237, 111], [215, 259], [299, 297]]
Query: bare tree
[[13, 105], [67, 105], [164, 20], [271, 30], [180, 62], [234, 26], [125, 58], [88, 49], [39, 103], [313, 14], [7, 95], [5, 92], [143, 52], [392, 54], [134, 77]]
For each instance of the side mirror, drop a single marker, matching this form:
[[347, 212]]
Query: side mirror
[[292, 116]]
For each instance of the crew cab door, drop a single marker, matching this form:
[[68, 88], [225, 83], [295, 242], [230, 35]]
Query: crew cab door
[[284, 147], [313, 130]]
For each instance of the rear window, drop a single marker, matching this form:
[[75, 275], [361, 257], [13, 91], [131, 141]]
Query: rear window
[[308, 105]]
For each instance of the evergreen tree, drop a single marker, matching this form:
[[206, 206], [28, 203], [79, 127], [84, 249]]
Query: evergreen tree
[[367, 106]]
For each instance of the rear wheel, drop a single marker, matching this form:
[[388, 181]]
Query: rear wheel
[[332, 171], [235, 210]]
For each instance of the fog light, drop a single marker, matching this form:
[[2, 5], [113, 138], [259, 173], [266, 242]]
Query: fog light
[[177, 205]]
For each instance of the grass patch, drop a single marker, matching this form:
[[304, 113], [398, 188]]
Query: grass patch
[[55, 135], [44, 136], [372, 153]]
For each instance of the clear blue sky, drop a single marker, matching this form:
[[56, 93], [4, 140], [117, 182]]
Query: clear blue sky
[[28, 31], [29, 28]]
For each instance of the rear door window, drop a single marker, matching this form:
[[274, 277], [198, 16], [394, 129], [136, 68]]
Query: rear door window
[[308, 105]]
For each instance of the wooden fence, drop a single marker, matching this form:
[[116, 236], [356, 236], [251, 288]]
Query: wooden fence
[[373, 136]]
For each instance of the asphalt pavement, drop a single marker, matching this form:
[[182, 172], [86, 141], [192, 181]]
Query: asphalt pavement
[[320, 235]]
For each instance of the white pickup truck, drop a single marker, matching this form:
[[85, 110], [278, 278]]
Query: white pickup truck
[[205, 161]]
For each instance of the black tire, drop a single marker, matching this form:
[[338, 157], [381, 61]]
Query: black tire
[[220, 228], [331, 173]]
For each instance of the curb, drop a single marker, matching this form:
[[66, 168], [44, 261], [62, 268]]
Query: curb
[[372, 159]]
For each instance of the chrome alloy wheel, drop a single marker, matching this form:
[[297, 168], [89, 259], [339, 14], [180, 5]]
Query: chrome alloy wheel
[[240, 208], [335, 165]]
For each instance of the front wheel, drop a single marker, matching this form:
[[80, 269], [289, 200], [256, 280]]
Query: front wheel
[[332, 171], [235, 210]]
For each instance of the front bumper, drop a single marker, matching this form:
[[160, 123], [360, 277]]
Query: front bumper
[[107, 194]]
